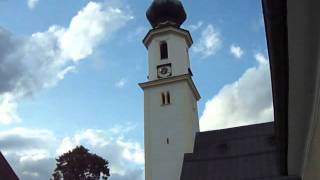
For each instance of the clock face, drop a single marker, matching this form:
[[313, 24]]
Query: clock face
[[164, 71]]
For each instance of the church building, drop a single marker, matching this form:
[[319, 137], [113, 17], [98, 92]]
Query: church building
[[170, 96], [286, 149]]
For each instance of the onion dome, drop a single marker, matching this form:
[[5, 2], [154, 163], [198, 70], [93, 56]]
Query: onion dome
[[166, 11]]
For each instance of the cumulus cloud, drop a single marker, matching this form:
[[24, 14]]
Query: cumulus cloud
[[91, 25], [28, 169], [209, 42], [26, 139], [30, 64], [28, 151], [236, 51], [246, 101], [32, 3], [32, 152]]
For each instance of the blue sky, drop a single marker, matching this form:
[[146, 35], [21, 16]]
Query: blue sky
[[69, 72]]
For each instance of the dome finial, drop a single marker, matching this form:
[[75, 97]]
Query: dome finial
[[162, 12]]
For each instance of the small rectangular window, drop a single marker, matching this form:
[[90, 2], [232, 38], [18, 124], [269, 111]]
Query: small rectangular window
[[164, 50]]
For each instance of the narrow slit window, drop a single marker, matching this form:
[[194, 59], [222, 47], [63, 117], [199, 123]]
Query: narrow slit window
[[168, 98], [168, 141], [163, 98], [164, 50]]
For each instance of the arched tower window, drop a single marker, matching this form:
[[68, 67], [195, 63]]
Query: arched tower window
[[163, 98], [164, 50]]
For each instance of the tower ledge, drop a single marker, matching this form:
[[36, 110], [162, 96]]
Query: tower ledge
[[168, 29], [185, 77]]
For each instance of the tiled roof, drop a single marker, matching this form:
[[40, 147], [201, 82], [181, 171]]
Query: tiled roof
[[242, 153]]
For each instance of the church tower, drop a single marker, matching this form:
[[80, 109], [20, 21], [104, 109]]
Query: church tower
[[170, 96]]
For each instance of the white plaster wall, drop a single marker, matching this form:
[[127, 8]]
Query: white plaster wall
[[177, 54], [177, 121]]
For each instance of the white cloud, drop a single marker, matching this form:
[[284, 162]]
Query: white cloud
[[32, 174], [32, 152], [121, 83], [65, 71], [8, 110], [261, 58], [236, 51], [209, 42], [93, 137], [132, 151], [120, 129], [28, 151], [91, 25], [194, 27], [32, 3], [246, 101], [33, 155], [31, 169], [45, 58], [25, 139]]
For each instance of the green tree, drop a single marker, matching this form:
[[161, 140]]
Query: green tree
[[79, 164]]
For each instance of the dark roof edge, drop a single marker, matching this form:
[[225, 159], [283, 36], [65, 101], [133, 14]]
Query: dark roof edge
[[275, 18], [257, 125], [7, 165]]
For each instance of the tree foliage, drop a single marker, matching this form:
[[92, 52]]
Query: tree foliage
[[79, 164]]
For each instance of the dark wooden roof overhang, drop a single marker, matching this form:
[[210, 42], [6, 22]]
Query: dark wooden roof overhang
[[275, 18]]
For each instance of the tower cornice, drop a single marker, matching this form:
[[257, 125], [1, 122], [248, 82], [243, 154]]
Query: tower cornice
[[185, 77], [165, 30]]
